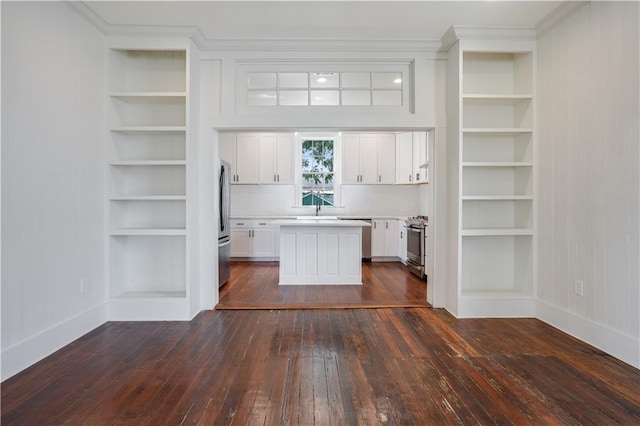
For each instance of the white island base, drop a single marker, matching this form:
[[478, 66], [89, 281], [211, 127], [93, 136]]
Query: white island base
[[327, 252]]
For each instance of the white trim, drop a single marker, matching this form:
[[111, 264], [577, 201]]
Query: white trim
[[488, 306], [198, 37], [469, 32], [623, 346], [565, 9], [33, 349]]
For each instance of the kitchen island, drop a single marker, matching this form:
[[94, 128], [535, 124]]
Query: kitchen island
[[320, 251]]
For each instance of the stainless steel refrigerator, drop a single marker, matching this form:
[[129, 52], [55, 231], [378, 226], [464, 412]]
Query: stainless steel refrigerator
[[224, 234]]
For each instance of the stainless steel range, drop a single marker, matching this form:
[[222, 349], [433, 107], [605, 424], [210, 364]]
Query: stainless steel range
[[416, 244]]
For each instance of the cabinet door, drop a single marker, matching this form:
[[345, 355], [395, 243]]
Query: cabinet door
[[419, 156], [386, 159], [390, 237], [247, 154], [263, 241], [240, 242], [227, 148], [402, 243], [368, 159], [268, 155], [285, 145], [351, 158], [404, 158], [377, 238]]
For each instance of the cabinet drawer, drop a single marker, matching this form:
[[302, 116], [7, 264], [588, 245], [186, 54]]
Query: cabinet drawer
[[262, 223], [241, 223]]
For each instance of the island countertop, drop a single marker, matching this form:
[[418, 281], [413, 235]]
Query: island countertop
[[320, 222]]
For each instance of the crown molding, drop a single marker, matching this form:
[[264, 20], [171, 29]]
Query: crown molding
[[456, 33], [558, 14], [206, 44]]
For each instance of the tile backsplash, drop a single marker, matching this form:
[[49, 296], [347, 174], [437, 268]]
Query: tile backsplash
[[357, 200]]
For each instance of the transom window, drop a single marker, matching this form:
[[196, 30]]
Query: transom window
[[317, 172], [359, 88]]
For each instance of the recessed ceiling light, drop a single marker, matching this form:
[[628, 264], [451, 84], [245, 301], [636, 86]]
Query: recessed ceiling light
[[397, 81], [322, 80]]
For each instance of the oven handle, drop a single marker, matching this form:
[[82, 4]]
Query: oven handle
[[417, 230]]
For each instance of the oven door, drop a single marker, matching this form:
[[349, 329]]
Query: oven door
[[415, 243]]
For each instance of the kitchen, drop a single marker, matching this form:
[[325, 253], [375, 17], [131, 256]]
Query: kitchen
[[388, 185], [110, 196]]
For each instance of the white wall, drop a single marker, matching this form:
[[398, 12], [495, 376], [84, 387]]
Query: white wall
[[52, 180], [356, 200], [589, 184]]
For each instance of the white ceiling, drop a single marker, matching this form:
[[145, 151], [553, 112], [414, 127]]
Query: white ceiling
[[323, 20]]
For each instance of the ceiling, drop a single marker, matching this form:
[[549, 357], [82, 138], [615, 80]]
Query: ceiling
[[323, 20]]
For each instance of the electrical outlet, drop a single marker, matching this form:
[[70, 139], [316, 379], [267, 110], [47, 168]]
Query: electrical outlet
[[84, 285], [578, 287]]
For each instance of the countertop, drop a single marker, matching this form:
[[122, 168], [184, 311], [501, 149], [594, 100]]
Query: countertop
[[320, 222]]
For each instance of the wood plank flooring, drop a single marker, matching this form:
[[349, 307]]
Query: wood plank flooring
[[254, 285], [417, 366]]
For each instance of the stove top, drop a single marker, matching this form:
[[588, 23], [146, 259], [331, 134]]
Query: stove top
[[417, 221]]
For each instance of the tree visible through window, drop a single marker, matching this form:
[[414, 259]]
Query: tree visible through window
[[317, 173]]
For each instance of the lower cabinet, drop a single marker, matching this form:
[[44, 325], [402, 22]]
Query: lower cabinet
[[402, 243], [384, 238], [253, 239]]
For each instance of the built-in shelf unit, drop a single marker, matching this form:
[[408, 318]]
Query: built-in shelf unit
[[147, 154], [492, 127]]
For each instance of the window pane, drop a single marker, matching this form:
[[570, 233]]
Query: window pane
[[387, 97], [261, 80], [294, 80], [262, 97], [294, 97], [356, 80], [317, 172], [356, 97], [325, 80], [387, 80], [325, 97]]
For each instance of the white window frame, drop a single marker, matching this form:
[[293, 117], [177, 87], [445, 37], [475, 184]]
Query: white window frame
[[337, 164]]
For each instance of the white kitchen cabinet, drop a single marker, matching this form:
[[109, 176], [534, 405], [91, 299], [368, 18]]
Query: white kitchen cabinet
[[384, 238], [276, 158], [402, 242], [412, 157], [420, 157], [252, 239], [368, 159], [242, 151]]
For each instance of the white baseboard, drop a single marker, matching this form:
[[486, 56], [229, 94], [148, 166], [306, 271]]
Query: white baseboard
[[620, 345], [486, 306], [32, 349]]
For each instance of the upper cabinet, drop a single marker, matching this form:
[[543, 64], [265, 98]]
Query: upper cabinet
[[368, 158], [412, 157], [276, 158], [242, 152], [259, 157]]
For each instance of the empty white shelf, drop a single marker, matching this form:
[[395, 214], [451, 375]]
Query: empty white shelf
[[496, 232], [149, 231]]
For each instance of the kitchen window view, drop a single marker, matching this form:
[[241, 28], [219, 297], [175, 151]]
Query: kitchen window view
[[317, 172]]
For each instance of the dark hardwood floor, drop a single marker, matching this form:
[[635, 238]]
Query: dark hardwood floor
[[254, 285], [325, 367], [287, 365]]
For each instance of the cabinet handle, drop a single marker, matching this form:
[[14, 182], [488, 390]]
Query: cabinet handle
[[379, 178], [417, 177], [410, 176], [386, 225], [240, 223], [401, 237], [278, 178], [375, 225]]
